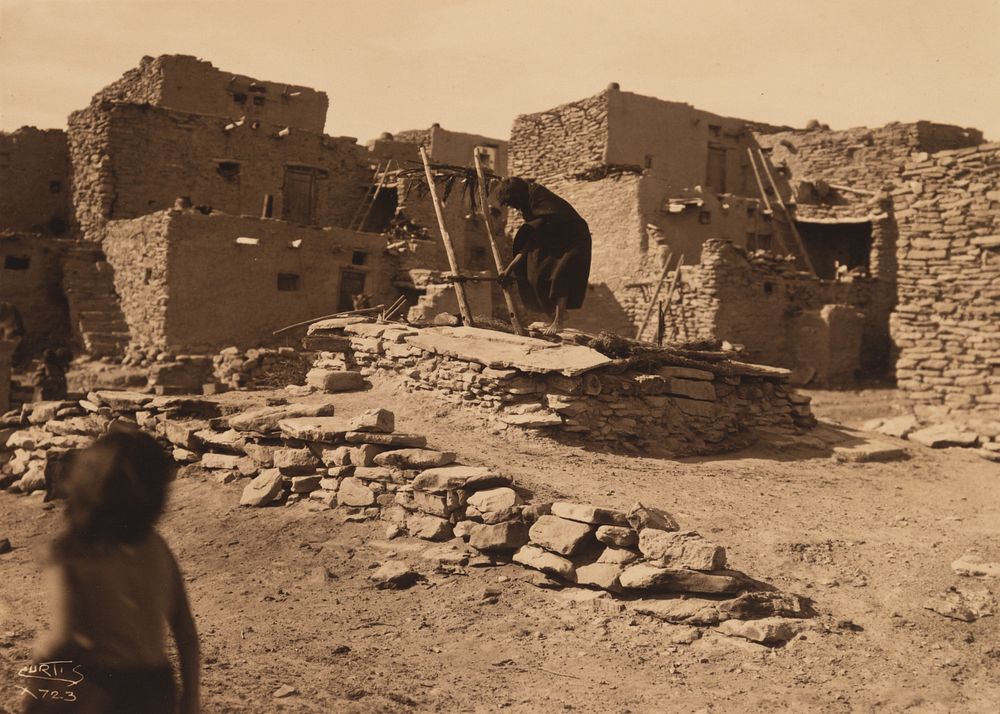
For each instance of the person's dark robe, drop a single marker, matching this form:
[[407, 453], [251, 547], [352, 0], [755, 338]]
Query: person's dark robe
[[555, 243]]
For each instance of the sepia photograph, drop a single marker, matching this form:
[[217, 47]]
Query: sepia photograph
[[456, 356]]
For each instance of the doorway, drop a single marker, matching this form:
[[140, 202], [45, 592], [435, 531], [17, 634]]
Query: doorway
[[298, 193]]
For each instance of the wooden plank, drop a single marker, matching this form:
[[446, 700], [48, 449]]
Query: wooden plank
[[767, 204], [656, 294], [378, 190], [670, 292], [368, 192], [515, 318], [449, 249]]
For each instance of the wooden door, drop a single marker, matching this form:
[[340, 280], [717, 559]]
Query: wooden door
[[298, 196]]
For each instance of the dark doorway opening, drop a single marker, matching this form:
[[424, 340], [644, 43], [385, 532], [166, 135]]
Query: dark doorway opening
[[832, 244], [298, 194], [382, 212], [352, 283]]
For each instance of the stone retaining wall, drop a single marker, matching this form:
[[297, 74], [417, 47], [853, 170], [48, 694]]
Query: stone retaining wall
[[681, 409]]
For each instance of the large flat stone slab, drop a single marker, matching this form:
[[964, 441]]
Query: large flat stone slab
[[500, 350]]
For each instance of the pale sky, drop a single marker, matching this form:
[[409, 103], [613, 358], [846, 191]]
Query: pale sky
[[474, 65]]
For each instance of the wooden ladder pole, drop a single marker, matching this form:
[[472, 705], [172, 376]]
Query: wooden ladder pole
[[515, 318], [656, 294], [364, 199], [763, 195], [449, 249], [378, 190], [788, 216], [670, 292]]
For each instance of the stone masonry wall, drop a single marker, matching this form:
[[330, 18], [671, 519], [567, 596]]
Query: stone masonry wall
[[187, 84], [566, 139], [130, 160], [34, 181], [686, 411], [187, 285], [30, 280], [947, 323]]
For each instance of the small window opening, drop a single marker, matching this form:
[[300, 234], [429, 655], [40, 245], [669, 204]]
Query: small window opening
[[289, 282], [229, 170], [239, 98], [259, 101], [359, 257], [147, 275], [16, 262], [768, 288], [649, 161], [55, 186], [705, 217], [257, 87], [4, 160], [714, 130]]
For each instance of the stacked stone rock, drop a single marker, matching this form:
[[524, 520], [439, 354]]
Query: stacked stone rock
[[574, 137], [685, 410], [260, 367], [947, 321]]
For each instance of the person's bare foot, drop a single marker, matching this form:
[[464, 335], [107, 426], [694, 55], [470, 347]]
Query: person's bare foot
[[554, 328]]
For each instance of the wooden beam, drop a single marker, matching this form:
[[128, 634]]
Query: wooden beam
[[449, 249], [515, 318]]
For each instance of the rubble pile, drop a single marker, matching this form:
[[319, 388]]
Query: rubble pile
[[260, 367], [977, 433], [569, 390], [287, 453]]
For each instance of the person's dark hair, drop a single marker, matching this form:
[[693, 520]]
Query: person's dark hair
[[513, 192], [117, 489]]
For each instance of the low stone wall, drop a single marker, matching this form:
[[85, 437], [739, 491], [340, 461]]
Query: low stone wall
[[684, 410]]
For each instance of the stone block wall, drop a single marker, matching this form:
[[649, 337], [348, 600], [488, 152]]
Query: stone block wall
[[947, 323], [564, 140], [188, 84], [130, 160], [187, 284], [683, 410], [30, 279], [34, 181]]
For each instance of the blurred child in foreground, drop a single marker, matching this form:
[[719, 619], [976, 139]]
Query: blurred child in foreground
[[116, 585]]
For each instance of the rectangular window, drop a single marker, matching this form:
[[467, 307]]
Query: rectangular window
[[352, 284], [289, 282], [359, 257], [16, 262], [229, 170]]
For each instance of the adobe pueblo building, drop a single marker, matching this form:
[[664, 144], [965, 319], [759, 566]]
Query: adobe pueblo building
[[800, 246]]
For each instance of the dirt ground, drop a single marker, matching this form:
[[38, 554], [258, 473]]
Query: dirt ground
[[281, 595]]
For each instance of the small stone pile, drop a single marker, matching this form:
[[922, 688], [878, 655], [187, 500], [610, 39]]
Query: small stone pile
[[260, 367], [969, 432]]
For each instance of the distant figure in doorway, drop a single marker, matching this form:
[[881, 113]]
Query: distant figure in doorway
[[49, 379], [115, 586], [551, 250]]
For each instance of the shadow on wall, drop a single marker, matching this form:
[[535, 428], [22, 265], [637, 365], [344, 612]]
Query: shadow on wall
[[601, 312]]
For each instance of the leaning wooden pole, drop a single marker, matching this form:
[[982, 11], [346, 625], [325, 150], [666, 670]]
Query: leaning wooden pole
[[378, 190], [449, 249], [364, 200], [656, 294], [670, 294], [763, 195], [788, 216], [515, 318]]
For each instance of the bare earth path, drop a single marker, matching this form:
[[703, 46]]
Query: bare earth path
[[281, 596]]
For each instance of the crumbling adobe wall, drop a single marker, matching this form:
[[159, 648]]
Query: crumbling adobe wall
[[34, 181], [455, 148], [187, 84], [130, 160], [567, 139], [188, 286], [759, 300], [30, 279], [947, 322]]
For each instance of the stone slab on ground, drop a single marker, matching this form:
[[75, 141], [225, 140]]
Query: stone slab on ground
[[507, 536], [974, 566], [335, 381], [540, 559], [691, 611], [263, 489], [899, 427], [585, 513], [264, 420], [647, 576], [415, 458], [767, 631], [325, 429], [870, 452], [398, 441], [941, 436], [500, 350], [559, 535]]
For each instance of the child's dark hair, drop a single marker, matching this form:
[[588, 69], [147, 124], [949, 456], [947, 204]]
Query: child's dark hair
[[117, 488]]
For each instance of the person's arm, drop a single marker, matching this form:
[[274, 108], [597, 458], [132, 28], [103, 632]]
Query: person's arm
[[186, 636], [505, 273]]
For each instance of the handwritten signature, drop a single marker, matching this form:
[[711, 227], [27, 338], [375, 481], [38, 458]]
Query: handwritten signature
[[57, 676]]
